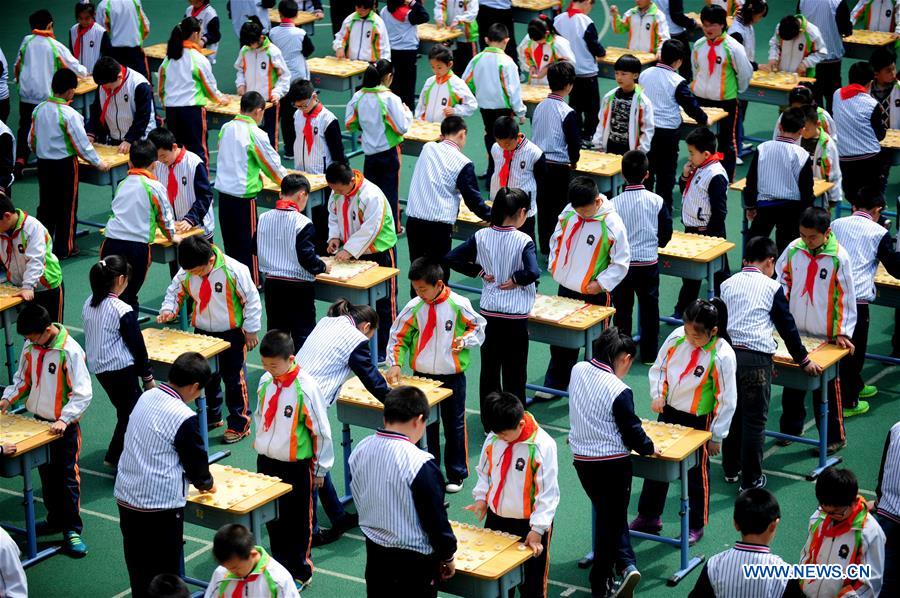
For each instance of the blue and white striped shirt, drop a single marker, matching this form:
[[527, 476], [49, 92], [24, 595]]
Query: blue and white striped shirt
[[856, 138], [725, 573], [779, 164], [526, 165], [867, 242], [821, 13], [326, 354], [888, 489], [290, 40], [640, 211], [283, 238], [552, 120], [441, 174], [105, 330]]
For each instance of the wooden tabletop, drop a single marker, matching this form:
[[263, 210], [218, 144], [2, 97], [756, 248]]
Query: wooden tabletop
[[824, 355], [586, 317], [110, 153], [820, 186], [892, 139], [302, 18], [423, 131], [161, 240], [85, 85], [882, 278], [232, 108], [683, 448], [613, 54], [864, 37], [263, 493], [38, 433], [354, 393], [696, 248], [158, 51], [535, 94], [165, 345], [429, 32], [363, 280], [536, 5], [8, 297], [598, 163], [316, 182], [713, 115], [335, 67], [778, 81], [505, 559]]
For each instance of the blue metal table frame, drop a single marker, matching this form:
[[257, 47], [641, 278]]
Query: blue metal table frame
[[9, 314], [886, 295]]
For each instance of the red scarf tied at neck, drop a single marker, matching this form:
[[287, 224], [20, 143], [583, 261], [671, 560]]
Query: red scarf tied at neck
[[572, 11], [286, 204], [307, 126], [506, 460], [852, 90], [812, 270], [431, 322], [711, 53], [281, 382], [401, 12], [503, 175], [345, 207], [716, 157], [80, 34], [172, 181], [828, 528], [196, 10], [112, 94]]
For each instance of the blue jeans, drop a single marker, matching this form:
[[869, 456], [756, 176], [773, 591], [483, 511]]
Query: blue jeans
[[891, 580], [331, 502]]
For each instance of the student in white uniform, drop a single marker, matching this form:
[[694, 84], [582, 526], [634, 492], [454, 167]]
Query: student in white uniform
[[261, 67], [296, 46], [210, 29], [88, 39], [122, 112], [520, 164], [401, 17], [13, 583], [887, 509], [796, 47], [363, 35], [128, 27], [444, 94], [645, 24], [246, 569], [240, 11], [541, 48]]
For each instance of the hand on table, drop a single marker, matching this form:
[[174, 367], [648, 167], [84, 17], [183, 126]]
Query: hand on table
[[812, 369], [714, 448], [4, 405], [165, 316], [657, 405], [104, 166], [58, 427], [183, 226], [393, 374], [343, 256], [8, 450], [26, 294], [333, 246], [339, 53], [844, 342], [124, 147], [533, 541]]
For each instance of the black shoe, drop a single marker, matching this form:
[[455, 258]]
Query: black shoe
[[324, 536], [783, 442], [345, 523], [42, 528]]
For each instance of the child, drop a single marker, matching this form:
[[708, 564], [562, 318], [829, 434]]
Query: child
[[162, 444], [522, 165], [498, 12], [868, 244], [648, 223], [825, 160], [555, 129], [494, 80], [7, 159], [683, 28], [399, 492], [721, 71], [186, 86], [626, 115], [139, 208], [316, 129], [28, 259], [58, 138], [287, 256], [605, 429], [542, 48], [444, 94], [669, 94], [796, 47], [247, 568], [400, 18], [122, 111], [824, 306], [742, 27], [296, 46], [875, 15], [756, 517], [115, 349], [293, 439], [756, 304], [645, 25], [504, 258], [244, 154], [780, 182], [54, 381], [801, 97], [87, 38], [578, 28], [442, 174], [833, 20], [360, 224], [363, 35], [589, 257], [128, 27], [515, 436], [210, 30], [842, 532], [440, 352], [382, 119], [13, 582], [887, 511], [261, 68], [692, 383], [885, 89], [242, 11], [461, 14], [227, 306], [187, 185]]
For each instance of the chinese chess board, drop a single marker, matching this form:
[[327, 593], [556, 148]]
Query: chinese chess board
[[158, 51], [423, 131], [553, 308], [233, 485], [892, 139], [713, 114], [316, 181], [881, 277], [777, 79], [689, 245], [433, 33], [534, 94], [17, 428], [536, 5], [167, 344], [7, 290], [302, 18], [160, 238], [869, 38], [85, 85], [664, 435], [810, 342], [594, 162], [467, 215], [346, 270], [110, 153], [331, 65], [613, 54], [353, 390], [477, 545], [232, 108]]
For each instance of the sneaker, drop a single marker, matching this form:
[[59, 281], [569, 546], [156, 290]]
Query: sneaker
[[232, 436], [302, 585], [738, 161], [831, 449], [73, 545], [42, 528], [648, 525], [868, 391], [694, 536], [214, 425], [544, 396], [324, 536], [676, 315], [631, 577], [861, 407], [453, 487], [760, 483], [733, 479], [783, 442]]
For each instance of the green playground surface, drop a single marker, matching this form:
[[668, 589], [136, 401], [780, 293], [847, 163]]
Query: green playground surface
[[340, 566]]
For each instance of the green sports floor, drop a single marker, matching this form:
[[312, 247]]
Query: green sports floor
[[340, 566]]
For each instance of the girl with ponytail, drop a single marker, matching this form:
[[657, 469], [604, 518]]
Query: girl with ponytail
[[541, 48]]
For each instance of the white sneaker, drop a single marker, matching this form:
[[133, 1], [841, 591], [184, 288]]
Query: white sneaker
[[738, 161], [452, 487]]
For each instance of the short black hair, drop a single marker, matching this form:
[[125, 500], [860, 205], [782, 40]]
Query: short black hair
[[702, 139], [502, 411], [759, 249], [252, 100], [250, 31], [162, 138], [233, 540], [628, 63], [190, 368], [671, 50], [364, 4], [106, 70], [861, 73], [288, 8], [497, 33], [276, 343], [293, 183], [611, 343], [142, 153], [6, 205], [714, 14], [505, 127], [84, 6], [33, 319], [815, 218], [867, 198], [754, 511], [538, 29], [882, 57], [634, 167], [405, 403], [339, 172], [810, 113], [801, 95], [792, 120], [837, 487], [301, 90], [168, 585], [63, 81], [194, 252], [426, 270], [507, 202], [40, 19], [452, 125], [788, 27], [582, 191], [440, 53], [560, 74]]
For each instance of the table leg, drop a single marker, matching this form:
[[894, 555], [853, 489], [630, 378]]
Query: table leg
[[10, 356], [28, 492], [373, 342], [201, 415], [687, 563], [711, 279], [822, 413], [347, 445]]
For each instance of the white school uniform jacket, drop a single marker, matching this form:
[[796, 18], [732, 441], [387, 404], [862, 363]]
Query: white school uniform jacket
[[748, 37], [460, 14], [234, 303], [593, 249], [452, 91], [530, 489], [315, 159], [853, 119], [402, 33], [187, 81], [730, 75], [89, 50], [361, 220], [127, 108], [245, 153], [710, 387], [524, 162], [455, 318], [53, 380], [875, 15], [193, 202], [807, 49], [263, 70], [240, 10], [140, 207], [268, 579], [126, 22], [726, 577], [57, 132], [640, 120], [380, 116], [574, 25], [827, 165], [494, 79], [868, 244], [540, 55], [206, 16], [13, 583], [27, 255], [300, 429], [290, 39], [4, 77], [822, 300], [894, 106], [363, 38], [647, 30], [39, 56]]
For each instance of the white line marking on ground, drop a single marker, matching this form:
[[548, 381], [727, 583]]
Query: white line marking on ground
[[188, 558], [881, 374], [98, 474]]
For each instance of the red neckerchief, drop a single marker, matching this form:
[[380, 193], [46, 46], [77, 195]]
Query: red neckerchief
[[238, 591], [401, 12], [196, 10], [812, 270], [286, 204], [711, 53], [345, 209], [692, 363], [43, 33], [282, 381], [507, 162], [172, 182], [852, 90], [538, 55], [80, 34], [581, 222], [190, 46], [11, 240], [441, 80], [307, 126], [506, 460], [110, 96], [572, 11], [716, 157], [431, 322], [829, 529], [287, 24], [142, 172], [205, 293]]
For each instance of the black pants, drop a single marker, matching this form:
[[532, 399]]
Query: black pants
[[188, 124], [608, 486], [643, 282], [453, 420], [828, 80], [291, 307], [727, 138], [270, 124], [144, 558], [404, 83], [399, 572], [487, 16], [4, 109], [383, 169], [685, 70], [237, 217], [288, 133], [429, 239], [462, 56], [534, 582], [124, 390], [891, 579], [60, 482], [553, 188], [331, 503], [340, 10], [793, 410], [386, 308], [742, 449], [562, 360], [22, 149], [504, 358], [653, 494], [690, 289], [138, 256], [131, 57], [53, 300], [585, 101], [784, 218], [291, 534], [663, 157], [489, 116], [856, 174], [231, 374], [58, 204], [851, 366]]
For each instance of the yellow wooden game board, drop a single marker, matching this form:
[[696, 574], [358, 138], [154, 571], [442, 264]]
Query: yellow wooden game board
[[536, 5], [477, 545], [423, 131], [883, 278], [689, 245], [165, 345], [467, 215], [553, 308], [316, 181], [16, 429], [613, 54], [535, 94], [599, 163], [778, 79], [811, 343], [664, 435], [332, 65], [892, 139], [430, 32], [354, 391], [110, 153], [158, 51], [8, 290], [302, 18], [233, 486], [870, 38], [85, 85], [713, 114], [232, 108], [346, 270]]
